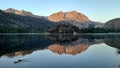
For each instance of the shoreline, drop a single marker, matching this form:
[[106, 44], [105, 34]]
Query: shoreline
[[59, 34]]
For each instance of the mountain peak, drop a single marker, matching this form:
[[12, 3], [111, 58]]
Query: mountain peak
[[19, 12], [71, 15], [10, 9], [22, 12]]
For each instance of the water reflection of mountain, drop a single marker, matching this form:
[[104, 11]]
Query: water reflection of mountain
[[12, 44], [113, 42], [21, 45], [73, 50]]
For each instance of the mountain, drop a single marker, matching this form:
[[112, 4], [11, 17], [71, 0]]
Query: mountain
[[71, 16], [10, 22], [75, 18], [22, 12], [112, 24]]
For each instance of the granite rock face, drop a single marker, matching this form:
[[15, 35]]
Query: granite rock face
[[22, 12], [70, 16]]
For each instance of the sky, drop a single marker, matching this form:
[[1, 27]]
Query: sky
[[95, 10]]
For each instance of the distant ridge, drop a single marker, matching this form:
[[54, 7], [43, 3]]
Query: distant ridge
[[21, 12], [12, 20], [112, 24]]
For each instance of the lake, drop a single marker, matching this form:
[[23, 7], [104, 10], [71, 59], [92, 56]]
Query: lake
[[59, 51]]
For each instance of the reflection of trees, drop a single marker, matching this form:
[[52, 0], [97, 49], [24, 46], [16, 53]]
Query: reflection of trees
[[113, 42], [21, 45], [63, 39], [119, 65], [118, 51], [21, 53], [12, 44], [68, 44], [78, 39]]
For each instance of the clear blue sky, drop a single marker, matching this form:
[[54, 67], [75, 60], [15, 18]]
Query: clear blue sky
[[96, 10]]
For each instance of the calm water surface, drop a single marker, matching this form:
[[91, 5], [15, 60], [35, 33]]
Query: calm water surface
[[59, 51]]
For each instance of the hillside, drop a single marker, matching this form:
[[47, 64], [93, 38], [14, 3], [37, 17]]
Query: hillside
[[22, 12], [10, 22], [112, 24]]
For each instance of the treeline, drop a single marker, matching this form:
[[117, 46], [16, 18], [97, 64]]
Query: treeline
[[63, 28], [68, 28], [19, 30], [98, 30]]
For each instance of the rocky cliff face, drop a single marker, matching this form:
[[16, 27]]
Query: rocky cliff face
[[21, 12], [71, 16], [113, 24], [74, 18]]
